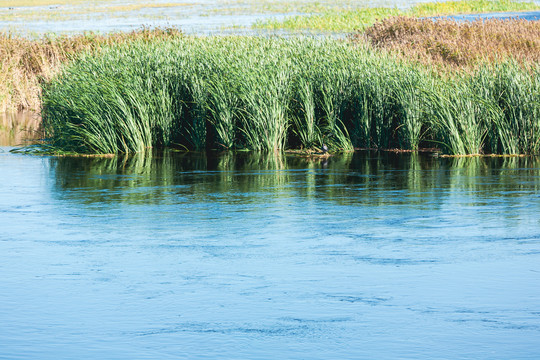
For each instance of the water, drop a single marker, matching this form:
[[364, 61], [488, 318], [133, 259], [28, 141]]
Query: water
[[193, 17], [269, 257], [523, 15], [256, 257]]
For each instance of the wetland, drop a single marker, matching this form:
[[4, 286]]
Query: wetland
[[198, 234]]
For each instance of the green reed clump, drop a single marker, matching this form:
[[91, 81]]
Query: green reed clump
[[265, 94], [456, 114], [518, 95], [195, 129], [271, 94], [232, 93], [321, 81], [223, 108], [411, 106], [388, 108], [98, 106], [377, 105], [335, 92], [493, 110], [306, 127]]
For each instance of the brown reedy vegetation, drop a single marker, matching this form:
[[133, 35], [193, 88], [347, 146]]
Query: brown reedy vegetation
[[457, 45], [24, 63]]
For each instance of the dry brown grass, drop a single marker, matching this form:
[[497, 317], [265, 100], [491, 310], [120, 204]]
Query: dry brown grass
[[25, 62], [451, 44]]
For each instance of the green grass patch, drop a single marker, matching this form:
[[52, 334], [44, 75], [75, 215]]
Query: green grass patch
[[331, 21], [246, 7], [359, 19], [471, 7]]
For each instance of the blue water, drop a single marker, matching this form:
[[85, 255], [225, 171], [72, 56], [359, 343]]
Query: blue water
[[523, 15], [187, 256]]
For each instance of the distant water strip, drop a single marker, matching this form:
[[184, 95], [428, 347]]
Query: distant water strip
[[528, 15]]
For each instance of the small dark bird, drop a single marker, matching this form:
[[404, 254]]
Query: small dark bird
[[324, 149]]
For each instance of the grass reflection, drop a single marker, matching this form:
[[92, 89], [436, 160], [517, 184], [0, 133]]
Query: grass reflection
[[355, 179]]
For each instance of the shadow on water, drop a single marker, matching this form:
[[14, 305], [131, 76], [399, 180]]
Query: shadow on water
[[374, 179]]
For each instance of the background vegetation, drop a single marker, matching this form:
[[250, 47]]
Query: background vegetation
[[456, 45], [346, 20]]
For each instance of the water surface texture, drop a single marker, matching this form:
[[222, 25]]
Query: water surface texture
[[188, 256], [193, 17]]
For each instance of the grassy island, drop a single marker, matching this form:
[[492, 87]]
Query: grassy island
[[403, 83], [270, 94]]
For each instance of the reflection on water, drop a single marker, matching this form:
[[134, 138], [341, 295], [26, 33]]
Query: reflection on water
[[348, 179], [250, 256], [18, 128]]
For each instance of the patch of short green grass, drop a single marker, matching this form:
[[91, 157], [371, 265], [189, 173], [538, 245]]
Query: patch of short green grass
[[336, 20]]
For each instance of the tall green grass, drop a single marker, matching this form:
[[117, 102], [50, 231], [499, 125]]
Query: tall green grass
[[271, 94], [517, 93]]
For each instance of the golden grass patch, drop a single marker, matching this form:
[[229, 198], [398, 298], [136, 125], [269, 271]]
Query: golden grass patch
[[453, 44]]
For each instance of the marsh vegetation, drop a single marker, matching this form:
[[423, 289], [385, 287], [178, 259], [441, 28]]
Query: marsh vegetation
[[272, 94], [403, 83], [25, 62], [456, 46], [151, 250]]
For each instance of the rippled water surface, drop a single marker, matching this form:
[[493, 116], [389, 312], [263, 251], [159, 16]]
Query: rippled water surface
[[267, 257]]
